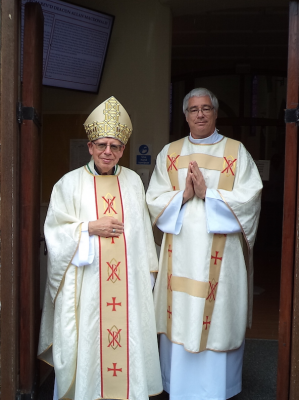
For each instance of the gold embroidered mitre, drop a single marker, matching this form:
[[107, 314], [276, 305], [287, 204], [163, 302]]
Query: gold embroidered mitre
[[109, 119]]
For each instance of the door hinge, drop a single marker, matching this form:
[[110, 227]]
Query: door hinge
[[291, 115], [27, 113]]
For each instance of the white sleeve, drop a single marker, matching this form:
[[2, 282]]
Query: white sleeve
[[172, 218], [220, 219], [85, 253]]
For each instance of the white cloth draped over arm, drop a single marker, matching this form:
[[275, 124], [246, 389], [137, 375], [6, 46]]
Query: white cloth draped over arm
[[85, 253]]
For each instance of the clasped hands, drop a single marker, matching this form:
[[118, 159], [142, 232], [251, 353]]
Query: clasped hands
[[195, 183], [106, 227]]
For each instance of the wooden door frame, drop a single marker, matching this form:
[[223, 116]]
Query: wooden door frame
[[9, 164], [294, 362], [289, 266], [30, 154]]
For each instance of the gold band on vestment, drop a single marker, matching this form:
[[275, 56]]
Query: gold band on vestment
[[113, 276], [168, 245]]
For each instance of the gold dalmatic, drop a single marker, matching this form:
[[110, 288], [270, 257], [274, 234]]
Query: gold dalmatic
[[113, 281], [207, 290]]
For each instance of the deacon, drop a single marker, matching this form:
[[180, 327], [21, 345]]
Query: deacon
[[98, 327], [204, 195]]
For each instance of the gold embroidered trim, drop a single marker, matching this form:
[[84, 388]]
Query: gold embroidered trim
[[109, 119], [217, 252], [230, 157], [168, 246], [173, 155], [203, 160], [113, 294], [46, 362]]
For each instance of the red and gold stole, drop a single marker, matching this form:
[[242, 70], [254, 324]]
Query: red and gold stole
[[113, 281], [207, 290]]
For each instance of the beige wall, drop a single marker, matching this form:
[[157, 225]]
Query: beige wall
[[137, 71]]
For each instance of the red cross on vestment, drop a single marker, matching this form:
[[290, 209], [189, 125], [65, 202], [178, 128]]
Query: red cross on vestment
[[114, 369], [230, 164], [113, 304], [169, 250], [206, 322], [172, 163], [112, 239], [109, 205], [169, 312], [216, 258], [113, 268]]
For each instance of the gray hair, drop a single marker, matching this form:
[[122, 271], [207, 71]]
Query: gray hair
[[200, 92]]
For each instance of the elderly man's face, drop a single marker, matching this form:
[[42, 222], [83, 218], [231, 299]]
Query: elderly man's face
[[105, 159], [201, 123]]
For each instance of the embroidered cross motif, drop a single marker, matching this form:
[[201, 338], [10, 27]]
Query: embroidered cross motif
[[169, 282], [212, 291], [112, 239], [173, 161], [114, 369], [114, 337], [207, 322], [216, 258], [113, 304], [230, 165], [169, 312], [114, 276], [169, 251], [110, 204]]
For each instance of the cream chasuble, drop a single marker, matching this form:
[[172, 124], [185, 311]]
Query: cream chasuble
[[98, 326], [201, 296]]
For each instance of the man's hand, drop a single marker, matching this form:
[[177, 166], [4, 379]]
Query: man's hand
[[199, 183], [106, 227], [189, 190]]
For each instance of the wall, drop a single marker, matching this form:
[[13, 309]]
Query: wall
[[137, 73]]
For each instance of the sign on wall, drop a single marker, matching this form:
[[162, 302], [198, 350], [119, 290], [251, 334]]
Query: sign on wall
[[76, 40], [144, 154]]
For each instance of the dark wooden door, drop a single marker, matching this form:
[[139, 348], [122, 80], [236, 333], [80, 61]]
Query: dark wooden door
[[289, 237], [30, 195]]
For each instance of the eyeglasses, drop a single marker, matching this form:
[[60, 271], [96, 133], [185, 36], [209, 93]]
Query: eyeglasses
[[113, 147], [204, 109]]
